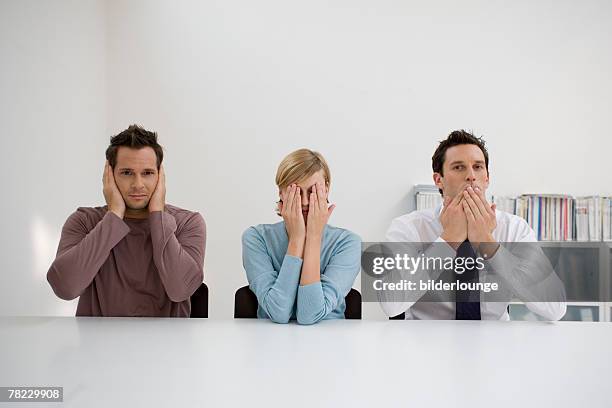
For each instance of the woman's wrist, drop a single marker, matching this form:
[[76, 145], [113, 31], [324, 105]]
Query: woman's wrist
[[296, 247]]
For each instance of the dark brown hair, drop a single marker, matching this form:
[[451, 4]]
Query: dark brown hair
[[457, 137], [134, 137]]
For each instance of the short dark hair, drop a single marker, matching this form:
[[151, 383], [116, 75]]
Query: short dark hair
[[457, 137], [134, 137]]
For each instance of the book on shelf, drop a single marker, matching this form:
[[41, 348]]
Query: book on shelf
[[606, 221], [593, 221], [556, 217], [551, 216], [507, 204], [426, 196]]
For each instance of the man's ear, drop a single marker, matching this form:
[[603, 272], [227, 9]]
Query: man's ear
[[437, 178], [487, 180]]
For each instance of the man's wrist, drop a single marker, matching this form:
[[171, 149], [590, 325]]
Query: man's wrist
[[453, 242], [118, 213], [153, 208], [488, 247], [487, 239]]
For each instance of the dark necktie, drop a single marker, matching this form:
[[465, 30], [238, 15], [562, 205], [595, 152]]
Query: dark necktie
[[467, 302]]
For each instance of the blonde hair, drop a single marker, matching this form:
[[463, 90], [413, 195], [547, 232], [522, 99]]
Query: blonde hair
[[300, 165]]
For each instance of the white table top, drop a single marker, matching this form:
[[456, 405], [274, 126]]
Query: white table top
[[107, 362]]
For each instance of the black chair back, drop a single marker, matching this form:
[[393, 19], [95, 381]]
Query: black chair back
[[199, 302], [245, 304], [353, 305]]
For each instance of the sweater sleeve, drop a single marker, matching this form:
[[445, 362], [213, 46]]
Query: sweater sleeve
[[81, 253], [319, 299], [178, 254], [275, 290]]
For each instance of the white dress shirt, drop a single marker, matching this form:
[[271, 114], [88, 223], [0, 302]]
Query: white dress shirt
[[424, 226]]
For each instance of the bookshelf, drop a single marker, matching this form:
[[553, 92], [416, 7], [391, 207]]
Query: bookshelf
[[574, 234]]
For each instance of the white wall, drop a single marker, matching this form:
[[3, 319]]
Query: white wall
[[53, 126], [233, 86]]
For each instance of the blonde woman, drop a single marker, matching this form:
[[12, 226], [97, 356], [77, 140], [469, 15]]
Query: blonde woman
[[301, 268]]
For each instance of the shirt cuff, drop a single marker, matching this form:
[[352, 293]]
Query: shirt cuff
[[499, 261], [118, 227], [162, 225], [442, 249]]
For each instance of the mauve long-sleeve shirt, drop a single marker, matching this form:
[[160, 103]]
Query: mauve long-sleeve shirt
[[130, 267]]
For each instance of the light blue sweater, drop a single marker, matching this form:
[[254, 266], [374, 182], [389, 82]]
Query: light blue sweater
[[274, 276]]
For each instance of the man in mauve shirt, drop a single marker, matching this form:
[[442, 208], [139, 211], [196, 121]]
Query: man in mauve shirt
[[137, 255]]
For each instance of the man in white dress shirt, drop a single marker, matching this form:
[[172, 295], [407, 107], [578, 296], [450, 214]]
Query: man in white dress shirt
[[461, 172]]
